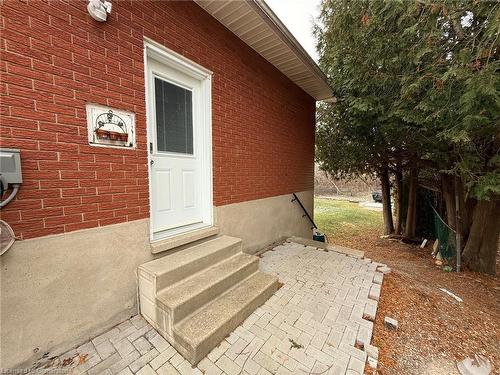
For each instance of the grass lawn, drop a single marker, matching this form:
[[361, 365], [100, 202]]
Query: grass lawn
[[345, 219]]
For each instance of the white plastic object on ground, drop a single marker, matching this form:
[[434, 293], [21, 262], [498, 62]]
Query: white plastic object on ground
[[452, 295], [478, 365]]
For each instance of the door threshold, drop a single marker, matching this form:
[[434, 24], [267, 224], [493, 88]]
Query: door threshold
[[183, 238]]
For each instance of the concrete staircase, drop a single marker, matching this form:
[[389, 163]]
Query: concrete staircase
[[197, 296]]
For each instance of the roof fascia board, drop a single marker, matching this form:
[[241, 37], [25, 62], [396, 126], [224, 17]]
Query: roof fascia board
[[268, 15]]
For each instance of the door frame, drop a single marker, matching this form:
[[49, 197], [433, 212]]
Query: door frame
[[178, 62]]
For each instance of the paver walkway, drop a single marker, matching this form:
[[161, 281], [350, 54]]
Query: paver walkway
[[312, 325]]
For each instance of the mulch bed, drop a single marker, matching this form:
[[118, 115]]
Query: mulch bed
[[435, 331]]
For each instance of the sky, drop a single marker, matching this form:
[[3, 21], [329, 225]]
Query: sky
[[297, 15]]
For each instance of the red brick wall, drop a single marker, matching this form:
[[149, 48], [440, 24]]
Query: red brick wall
[[55, 59]]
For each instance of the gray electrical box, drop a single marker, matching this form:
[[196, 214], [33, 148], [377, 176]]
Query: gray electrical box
[[10, 166]]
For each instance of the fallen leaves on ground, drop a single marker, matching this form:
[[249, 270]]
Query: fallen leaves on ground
[[435, 331]]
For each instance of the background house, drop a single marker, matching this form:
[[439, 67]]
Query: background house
[[88, 215]]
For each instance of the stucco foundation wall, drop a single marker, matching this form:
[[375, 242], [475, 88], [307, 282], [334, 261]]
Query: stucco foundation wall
[[59, 291], [262, 221]]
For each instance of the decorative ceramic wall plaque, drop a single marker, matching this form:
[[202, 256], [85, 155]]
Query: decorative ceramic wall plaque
[[110, 127]]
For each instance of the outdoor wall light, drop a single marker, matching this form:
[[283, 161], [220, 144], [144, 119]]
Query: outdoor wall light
[[99, 9]]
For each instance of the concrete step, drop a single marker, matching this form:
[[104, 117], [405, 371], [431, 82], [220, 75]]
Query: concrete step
[[172, 268], [197, 296], [188, 295], [170, 243], [199, 333]]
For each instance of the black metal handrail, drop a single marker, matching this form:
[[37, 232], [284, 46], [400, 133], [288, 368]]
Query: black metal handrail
[[305, 214]]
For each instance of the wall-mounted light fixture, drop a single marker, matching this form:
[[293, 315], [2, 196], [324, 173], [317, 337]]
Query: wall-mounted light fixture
[[99, 9]]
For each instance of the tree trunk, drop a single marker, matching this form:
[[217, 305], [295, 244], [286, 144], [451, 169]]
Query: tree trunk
[[467, 210], [411, 213], [399, 199], [458, 221], [481, 248], [449, 199], [386, 200], [466, 207]]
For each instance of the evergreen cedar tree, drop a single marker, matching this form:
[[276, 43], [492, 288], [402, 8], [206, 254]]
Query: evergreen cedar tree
[[417, 87]]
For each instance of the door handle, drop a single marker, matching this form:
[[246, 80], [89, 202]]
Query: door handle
[[151, 161]]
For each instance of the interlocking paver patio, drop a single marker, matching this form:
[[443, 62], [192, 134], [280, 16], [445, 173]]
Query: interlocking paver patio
[[316, 323]]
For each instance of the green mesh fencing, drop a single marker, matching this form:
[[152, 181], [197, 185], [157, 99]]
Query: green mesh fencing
[[445, 236]]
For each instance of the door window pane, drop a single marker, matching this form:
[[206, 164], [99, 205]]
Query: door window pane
[[174, 118]]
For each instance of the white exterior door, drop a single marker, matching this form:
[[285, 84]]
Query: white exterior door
[[178, 150]]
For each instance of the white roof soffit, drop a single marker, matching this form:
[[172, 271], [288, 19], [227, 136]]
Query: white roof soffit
[[257, 25]]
